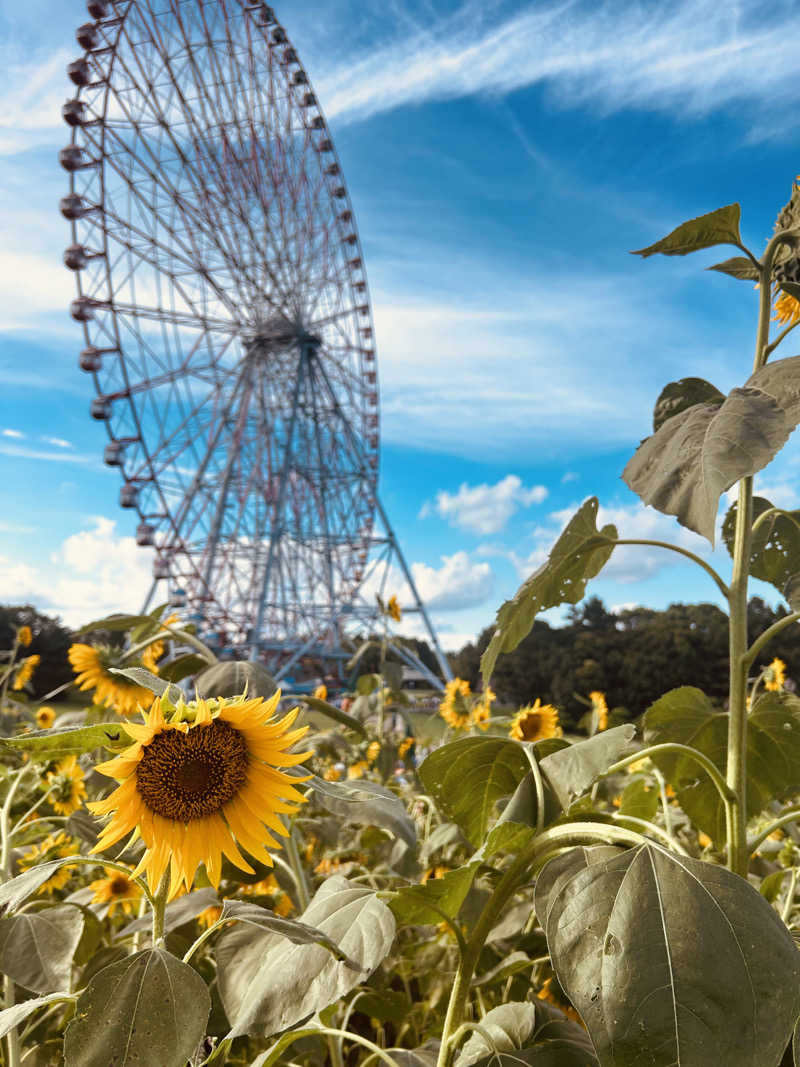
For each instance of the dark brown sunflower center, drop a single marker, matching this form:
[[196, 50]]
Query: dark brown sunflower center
[[188, 776], [120, 886], [531, 725]]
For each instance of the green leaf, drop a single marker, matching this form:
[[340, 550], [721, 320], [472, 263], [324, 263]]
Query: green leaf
[[775, 546], [18, 1013], [115, 623], [781, 379], [796, 1044], [177, 912], [233, 677], [671, 960], [147, 680], [268, 984], [687, 716], [15, 892], [332, 712], [579, 554], [367, 804], [36, 948], [148, 1009], [639, 800], [295, 931], [770, 887], [388, 1005], [738, 267], [573, 770], [791, 592], [525, 1033], [467, 777], [698, 454], [720, 227], [555, 874], [182, 667], [425, 904], [47, 745], [681, 395]]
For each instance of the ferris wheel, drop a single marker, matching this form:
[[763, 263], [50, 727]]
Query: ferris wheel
[[226, 314]]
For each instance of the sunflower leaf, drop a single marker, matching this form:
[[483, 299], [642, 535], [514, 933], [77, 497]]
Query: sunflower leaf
[[182, 667], [269, 984], [437, 898], [331, 711], [232, 678], [651, 986], [678, 396], [148, 1008], [579, 554], [141, 676], [572, 770], [467, 777], [538, 1034], [36, 948], [18, 1013], [738, 267], [775, 544], [115, 623], [177, 912], [292, 929], [47, 745], [367, 804], [720, 227]]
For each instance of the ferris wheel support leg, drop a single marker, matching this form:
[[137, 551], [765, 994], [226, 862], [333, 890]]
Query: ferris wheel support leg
[[411, 659], [306, 349]]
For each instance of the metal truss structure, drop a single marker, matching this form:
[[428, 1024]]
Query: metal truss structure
[[227, 322]]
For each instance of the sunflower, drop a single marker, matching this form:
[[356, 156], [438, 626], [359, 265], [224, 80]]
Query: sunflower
[[548, 994], [321, 692], [284, 905], [373, 749], [151, 655], [404, 746], [25, 671], [357, 769], [482, 710], [455, 708], [332, 774], [54, 846], [24, 636], [775, 676], [787, 309], [209, 915], [265, 888], [201, 780], [599, 710], [68, 786], [118, 890], [534, 722], [393, 609], [45, 717], [91, 665]]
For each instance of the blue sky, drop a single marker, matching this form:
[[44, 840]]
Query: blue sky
[[502, 158]]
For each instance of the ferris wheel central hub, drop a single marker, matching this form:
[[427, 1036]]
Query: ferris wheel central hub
[[278, 334]]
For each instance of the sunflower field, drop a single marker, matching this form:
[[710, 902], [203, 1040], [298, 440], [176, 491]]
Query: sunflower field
[[199, 869]]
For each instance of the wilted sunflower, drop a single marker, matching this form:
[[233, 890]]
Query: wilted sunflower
[[24, 636], [482, 710], [534, 722], [393, 609], [45, 717], [52, 847], [68, 786], [25, 671], [455, 707], [787, 309], [91, 665], [599, 709], [202, 780], [321, 692], [404, 746], [118, 890], [775, 675]]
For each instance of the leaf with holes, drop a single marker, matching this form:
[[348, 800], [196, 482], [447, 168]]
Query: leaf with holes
[[580, 553], [775, 545], [671, 960]]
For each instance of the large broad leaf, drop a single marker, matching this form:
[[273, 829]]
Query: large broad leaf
[[46, 745], [720, 227], [572, 770], [147, 1009], [18, 1013], [36, 948], [775, 547], [679, 396], [555, 874], [177, 912], [437, 898], [15, 892], [268, 984], [147, 680], [639, 800], [182, 667], [525, 1033], [673, 961], [698, 454], [368, 804], [115, 623], [467, 777], [293, 930], [781, 379], [232, 678], [687, 716], [579, 554]]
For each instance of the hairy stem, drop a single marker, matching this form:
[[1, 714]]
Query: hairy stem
[[681, 552], [768, 635]]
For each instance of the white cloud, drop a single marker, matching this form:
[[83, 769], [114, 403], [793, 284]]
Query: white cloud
[[458, 583], [691, 56], [12, 433], [23, 452], [93, 573], [59, 442], [485, 509]]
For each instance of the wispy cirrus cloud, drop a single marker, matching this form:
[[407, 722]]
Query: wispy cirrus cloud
[[693, 55], [485, 509]]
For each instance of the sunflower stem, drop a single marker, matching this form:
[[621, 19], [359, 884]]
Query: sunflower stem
[[159, 908], [298, 872]]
